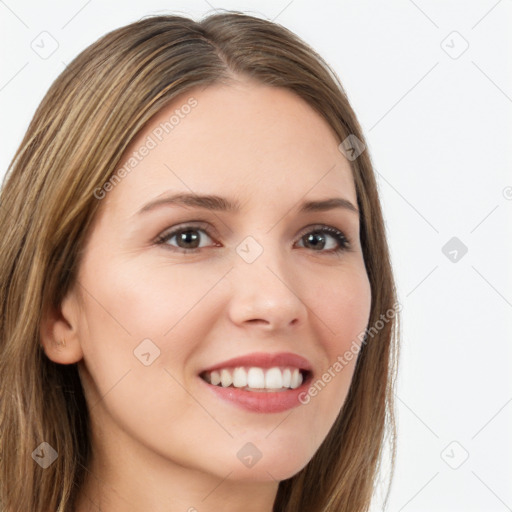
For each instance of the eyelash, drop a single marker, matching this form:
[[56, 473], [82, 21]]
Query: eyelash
[[339, 236]]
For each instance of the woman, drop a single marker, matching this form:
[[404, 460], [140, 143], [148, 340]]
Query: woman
[[198, 307]]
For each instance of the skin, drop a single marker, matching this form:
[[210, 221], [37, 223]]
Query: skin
[[160, 441]]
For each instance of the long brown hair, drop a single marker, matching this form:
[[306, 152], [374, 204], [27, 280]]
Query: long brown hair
[[47, 204]]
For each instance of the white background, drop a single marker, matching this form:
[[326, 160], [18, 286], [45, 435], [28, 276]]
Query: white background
[[439, 132]]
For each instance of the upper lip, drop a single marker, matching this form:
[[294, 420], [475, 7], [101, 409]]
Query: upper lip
[[264, 360]]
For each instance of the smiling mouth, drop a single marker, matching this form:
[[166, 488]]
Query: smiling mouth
[[256, 379]]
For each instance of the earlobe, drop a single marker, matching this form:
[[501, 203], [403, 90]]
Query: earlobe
[[59, 335]]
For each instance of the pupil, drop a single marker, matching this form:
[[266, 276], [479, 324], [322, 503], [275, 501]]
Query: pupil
[[188, 237], [317, 235]]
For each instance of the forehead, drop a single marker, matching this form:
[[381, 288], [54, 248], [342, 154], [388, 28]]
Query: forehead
[[244, 140]]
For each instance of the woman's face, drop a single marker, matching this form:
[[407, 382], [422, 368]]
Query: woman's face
[[171, 289]]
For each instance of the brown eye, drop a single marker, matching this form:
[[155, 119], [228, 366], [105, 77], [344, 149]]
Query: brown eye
[[318, 240], [188, 238], [321, 239]]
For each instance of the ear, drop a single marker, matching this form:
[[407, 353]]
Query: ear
[[59, 335]]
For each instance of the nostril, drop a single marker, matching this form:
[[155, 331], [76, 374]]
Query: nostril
[[257, 321]]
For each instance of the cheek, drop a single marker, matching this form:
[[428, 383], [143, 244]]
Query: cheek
[[135, 327], [344, 308], [344, 313], [132, 302], [138, 335]]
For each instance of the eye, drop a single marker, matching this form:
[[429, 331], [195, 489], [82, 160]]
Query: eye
[[188, 238], [319, 236]]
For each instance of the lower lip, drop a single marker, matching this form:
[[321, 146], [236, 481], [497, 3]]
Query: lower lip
[[261, 401]]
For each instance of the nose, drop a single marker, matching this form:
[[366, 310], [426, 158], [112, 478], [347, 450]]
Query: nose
[[265, 293]]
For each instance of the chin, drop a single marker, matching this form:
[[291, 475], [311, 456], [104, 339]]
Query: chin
[[272, 465]]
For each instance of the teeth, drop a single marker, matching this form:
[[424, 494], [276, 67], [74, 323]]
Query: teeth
[[296, 379], [215, 378], [225, 378], [287, 377], [255, 378], [239, 378], [274, 379]]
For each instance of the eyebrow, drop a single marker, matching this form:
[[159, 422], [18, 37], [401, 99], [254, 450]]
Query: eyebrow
[[219, 203]]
